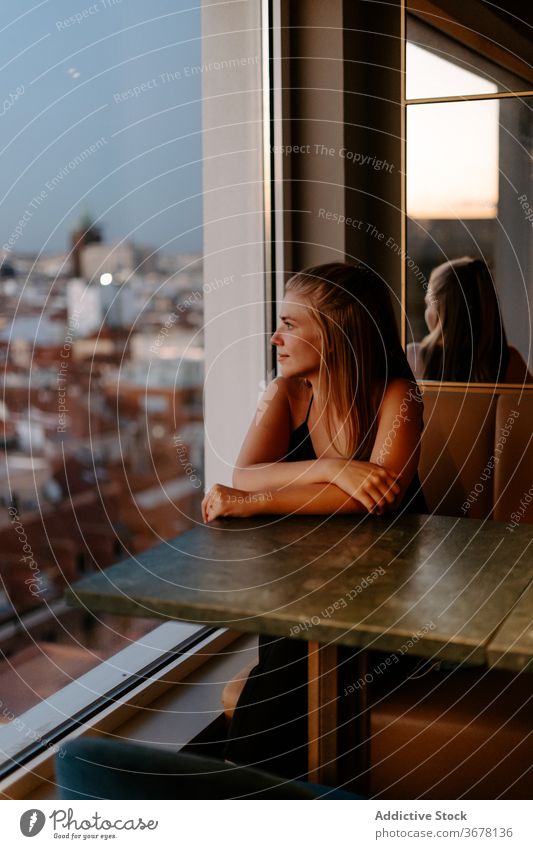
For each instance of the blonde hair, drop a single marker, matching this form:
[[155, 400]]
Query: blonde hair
[[468, 341], [361, 349]]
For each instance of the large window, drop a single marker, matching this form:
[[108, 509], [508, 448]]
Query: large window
[[118, 118]]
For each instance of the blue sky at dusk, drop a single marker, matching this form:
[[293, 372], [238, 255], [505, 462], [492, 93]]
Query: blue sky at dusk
[[67, 75]]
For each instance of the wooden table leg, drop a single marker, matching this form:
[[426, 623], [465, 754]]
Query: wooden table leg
[[322, 710]]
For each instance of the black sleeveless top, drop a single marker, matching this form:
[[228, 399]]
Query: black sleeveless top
[[301, 448]]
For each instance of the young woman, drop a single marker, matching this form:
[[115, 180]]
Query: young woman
[[338, 432], [466, 339]]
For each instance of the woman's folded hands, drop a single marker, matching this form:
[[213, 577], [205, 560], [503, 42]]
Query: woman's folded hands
[[370, 485]]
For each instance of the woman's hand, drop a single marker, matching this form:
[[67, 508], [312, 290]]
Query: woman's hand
[[226, 501], [374, 486]]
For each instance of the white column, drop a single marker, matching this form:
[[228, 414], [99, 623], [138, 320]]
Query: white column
[[233, 228]]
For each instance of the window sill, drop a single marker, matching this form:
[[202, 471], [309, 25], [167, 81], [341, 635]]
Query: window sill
[[103, 699]]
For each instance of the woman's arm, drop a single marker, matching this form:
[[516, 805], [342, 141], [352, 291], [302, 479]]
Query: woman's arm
[[278, 474], [311, 499], [321, 499], [260, 462], [349, 486], [397, 444], [381, 483]]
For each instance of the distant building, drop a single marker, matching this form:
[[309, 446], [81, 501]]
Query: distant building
[[84, 306], [94, 305], [84, 234], [100, 258]]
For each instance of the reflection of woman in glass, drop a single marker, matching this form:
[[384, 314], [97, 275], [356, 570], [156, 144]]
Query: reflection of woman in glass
[[337, 433], [466, 339]]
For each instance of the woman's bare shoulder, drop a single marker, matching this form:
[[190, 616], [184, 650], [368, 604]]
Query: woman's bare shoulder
[[295, 388], [295, 392], [399, 393]]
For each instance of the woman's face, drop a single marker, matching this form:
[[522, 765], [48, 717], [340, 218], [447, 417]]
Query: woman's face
[[297, 338]]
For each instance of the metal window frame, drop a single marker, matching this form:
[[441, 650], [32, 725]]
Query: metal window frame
[[95, 691], [105, 692]]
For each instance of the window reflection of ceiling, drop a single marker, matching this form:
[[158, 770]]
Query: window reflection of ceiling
[[503, 35], [432, 74], [516, 13]]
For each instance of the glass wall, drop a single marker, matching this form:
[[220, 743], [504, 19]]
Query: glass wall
[[102, 288]]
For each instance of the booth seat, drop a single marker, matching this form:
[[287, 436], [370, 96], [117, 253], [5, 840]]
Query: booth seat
[[449, 734], [513, 478], [477, 452], [464, 732]]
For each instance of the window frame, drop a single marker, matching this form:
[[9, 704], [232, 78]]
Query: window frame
[[100, 700], [105, 689], [443, 33]]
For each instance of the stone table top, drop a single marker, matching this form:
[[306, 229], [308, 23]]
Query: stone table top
[[433, 585], [512, 645]]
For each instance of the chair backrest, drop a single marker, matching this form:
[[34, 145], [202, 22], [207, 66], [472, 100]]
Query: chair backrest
[[513, 478], [457, 445]]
